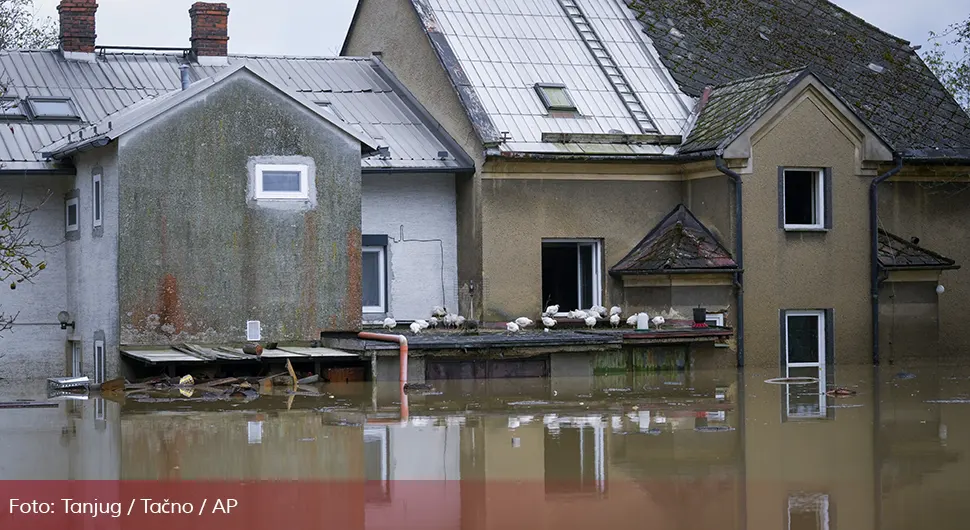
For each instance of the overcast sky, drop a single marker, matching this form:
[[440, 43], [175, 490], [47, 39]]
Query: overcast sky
[[317, 27]]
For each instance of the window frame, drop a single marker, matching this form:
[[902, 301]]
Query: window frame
[[20, 105], [99, 362], [73, 201], [381, 251], [97, 198], [74, 116], [597, 272], [541, 88], [302, 169], [823, 365], [77, 365], [717, 318], [823, 199]]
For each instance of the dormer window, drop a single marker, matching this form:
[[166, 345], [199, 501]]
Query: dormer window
[[555, 97], [12, 109], [45, 108]]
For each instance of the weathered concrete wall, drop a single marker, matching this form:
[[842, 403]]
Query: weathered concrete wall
[[520, 213], [418, 214], [935, 211], [92, 261], [38, 351], [392, 28], [806, 270], [197, 259], [909, 323]]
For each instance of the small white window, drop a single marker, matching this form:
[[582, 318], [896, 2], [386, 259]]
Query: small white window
[[804, 199], [555, 97], [99, 361], [805, 356], [373, 283], [255, 432], [71, 214], [253, 330], [96, 195], [282, 181], [715, 320]]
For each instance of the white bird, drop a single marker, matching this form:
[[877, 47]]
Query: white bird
[[551, 310], [632, 321], [450, 319], [459, 321], [415, 328], [615, 310], [548, 322], [438, 311], [576, 313], [390, 323], [512, 327], [524, 322], [423, 323], [615, 320], [658, 321], [433, 321], [599, 309], [592, 313], [546, 330], [590, 322]]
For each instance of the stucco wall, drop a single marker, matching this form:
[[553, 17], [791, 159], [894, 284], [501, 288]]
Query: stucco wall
[[521, 213], [392, 28], [936, 212], [92, 261], [418, 214], [805, 270], [197, 260], [38, 351]]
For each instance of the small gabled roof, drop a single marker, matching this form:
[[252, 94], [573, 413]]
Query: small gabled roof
[[114, 126], [895, 253], [679, 243]]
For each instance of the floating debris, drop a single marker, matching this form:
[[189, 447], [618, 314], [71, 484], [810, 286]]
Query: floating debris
[[792, 380]]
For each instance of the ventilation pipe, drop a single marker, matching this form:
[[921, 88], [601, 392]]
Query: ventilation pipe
[[184, 72]]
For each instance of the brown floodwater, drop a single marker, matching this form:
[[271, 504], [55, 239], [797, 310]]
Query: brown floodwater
[[724, 450]]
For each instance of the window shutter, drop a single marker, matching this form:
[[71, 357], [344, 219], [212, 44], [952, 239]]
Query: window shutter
[[827, 180], [783, 353], [830, 337], [781, 198]]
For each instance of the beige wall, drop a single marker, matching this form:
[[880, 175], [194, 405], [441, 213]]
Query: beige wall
[[805, 270], [392, 28], [519, 213]]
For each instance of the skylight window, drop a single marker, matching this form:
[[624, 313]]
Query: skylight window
[[12, 108], [555, 97], [52, 109]]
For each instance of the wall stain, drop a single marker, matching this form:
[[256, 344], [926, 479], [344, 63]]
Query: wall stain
[[351, 311], [308, 277], [170, 308]]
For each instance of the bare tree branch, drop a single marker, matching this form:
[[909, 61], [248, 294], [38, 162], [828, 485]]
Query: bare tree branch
[[21, 28], [19, 253]]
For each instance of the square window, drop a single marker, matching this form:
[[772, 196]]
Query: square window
[[282, 181], [71, 214], [96, 197], [803, 199], [571, 274], [52, 109], [373, 283], [555, 97], [12, 109]]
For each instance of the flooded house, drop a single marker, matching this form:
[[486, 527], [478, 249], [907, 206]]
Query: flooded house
[[197, 196], [666, 156]]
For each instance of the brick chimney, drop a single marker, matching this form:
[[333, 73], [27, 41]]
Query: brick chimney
[[77, 28], [210, 32]]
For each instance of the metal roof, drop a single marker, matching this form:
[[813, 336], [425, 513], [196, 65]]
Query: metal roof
[[496, 51], [361, 91]]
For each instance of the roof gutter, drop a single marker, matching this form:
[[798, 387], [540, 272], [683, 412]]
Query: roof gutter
[[93, 143], [738, 251], [573, 157], [874, 265]]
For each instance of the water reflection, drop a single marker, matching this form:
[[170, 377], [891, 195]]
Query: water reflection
[[678, 450]]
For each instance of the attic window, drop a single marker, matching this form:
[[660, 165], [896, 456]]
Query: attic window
[[555, 97], [12, 109], [52, 109]]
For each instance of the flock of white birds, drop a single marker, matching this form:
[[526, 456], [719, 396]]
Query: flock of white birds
[[441, 317]]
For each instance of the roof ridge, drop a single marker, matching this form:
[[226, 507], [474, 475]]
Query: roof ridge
[[768, 75]]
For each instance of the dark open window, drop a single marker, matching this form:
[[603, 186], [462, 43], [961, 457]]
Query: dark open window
[[805, 199], [570, 274]]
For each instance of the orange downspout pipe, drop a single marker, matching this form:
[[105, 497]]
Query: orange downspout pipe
[[403, 342]]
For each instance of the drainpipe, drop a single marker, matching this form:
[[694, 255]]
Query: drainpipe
[[403, 342], [738, 251], [874, 267]]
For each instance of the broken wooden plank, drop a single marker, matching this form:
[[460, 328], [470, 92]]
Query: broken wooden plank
[[289, 368], [308, 380]]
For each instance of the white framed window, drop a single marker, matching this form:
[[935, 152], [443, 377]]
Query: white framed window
[[805, 343], [99, 370], [716, 319], [803, 199], [282, 181], [808, 511], [374, 279], [571, 274], [71, 214], [254, 330], [97, 195]]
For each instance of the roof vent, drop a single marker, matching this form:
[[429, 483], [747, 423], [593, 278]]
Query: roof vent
[[877, 68], [442, 154]]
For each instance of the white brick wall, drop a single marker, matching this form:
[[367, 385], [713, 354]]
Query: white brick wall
[[424, 205]]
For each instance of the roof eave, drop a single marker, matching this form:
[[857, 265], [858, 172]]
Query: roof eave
[[662, 272]]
